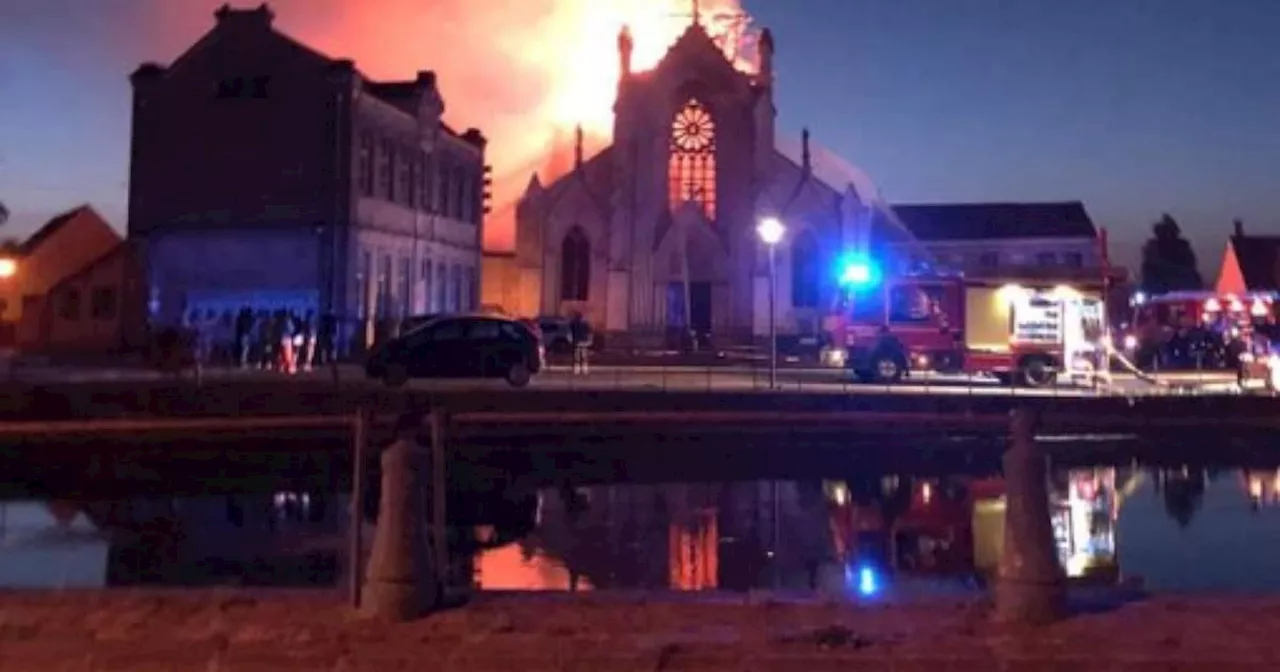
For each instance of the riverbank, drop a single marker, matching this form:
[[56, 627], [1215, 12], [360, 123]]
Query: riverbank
[[232, 631]]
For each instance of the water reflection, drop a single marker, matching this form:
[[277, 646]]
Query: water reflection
[[1179, 529]]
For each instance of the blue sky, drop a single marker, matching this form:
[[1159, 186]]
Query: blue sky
[[1133, 106]]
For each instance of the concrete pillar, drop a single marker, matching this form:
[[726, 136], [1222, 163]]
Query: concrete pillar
[[1030, 588], [400, 581]]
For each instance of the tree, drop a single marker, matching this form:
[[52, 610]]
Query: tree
[[1168, 262]]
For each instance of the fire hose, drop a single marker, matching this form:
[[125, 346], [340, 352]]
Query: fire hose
[[1272, 381]]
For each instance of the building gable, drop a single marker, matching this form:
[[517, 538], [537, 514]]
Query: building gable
[[1254, 264]]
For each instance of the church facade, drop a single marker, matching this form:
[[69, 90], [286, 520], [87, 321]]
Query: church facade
[[655, 235]]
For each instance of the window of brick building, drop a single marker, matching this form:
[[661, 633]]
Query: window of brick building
[[364, 164], [406, 286], [426, 178], [102, 303], [69, 305], [231, 87], [259, 87], [411, 184], [459, 194], [404, 177], [363, 271], [386, 164], [444, 190]]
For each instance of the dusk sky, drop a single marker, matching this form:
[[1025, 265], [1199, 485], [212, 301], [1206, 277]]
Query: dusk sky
[[1133, 106]]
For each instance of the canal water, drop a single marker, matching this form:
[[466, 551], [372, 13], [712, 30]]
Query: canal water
[[1182, 530]]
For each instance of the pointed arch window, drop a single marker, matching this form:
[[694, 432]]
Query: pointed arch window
[[575, 266], [691, 169], [806, 271]]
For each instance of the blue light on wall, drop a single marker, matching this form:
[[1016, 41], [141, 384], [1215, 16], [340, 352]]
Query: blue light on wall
[[857, 272]]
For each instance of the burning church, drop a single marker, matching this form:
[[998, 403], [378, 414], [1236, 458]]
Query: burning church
[[654, 236]]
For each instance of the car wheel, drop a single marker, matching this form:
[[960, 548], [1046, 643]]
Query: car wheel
[[395, 376], [1037, 373], [887, 368], [518, 375]]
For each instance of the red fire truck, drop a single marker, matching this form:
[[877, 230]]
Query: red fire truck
[[1017, 331], [1196, 329]]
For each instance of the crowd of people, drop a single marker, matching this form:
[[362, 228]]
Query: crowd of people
[[281, 340]]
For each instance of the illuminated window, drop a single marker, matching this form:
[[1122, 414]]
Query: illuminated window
[[692, 167]]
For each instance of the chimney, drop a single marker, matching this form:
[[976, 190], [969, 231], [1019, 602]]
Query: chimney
[[260, 17], [1238, 227], [147, 72]]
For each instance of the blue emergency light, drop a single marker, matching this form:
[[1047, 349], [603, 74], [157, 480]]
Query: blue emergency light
[[857, 272]]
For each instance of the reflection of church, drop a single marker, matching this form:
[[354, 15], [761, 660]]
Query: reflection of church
[[656, 233]]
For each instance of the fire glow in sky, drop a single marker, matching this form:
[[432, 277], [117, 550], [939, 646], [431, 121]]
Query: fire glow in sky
[[525, 72]]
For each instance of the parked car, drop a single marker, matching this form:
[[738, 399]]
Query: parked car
[[459, 346]]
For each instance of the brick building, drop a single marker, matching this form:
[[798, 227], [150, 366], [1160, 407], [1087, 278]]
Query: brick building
[[266, 174]]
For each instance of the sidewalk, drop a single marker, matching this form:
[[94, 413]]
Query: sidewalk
[[283, 632]]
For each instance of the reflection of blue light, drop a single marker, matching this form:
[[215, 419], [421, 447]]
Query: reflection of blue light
[[867, 583], [857, 272], [864, 579]]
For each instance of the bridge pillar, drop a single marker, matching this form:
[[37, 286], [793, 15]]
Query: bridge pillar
[[1030, 588], [400, 581]]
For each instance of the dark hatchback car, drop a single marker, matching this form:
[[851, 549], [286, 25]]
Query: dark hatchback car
[[460, 346]]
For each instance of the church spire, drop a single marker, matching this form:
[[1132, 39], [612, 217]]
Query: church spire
[[625, 46], [577, 147]]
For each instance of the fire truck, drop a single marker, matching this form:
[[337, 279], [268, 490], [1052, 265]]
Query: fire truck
[[1197, 329], [1019, 331]]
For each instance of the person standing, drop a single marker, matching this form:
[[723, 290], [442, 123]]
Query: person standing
[[327, 338], [307, 330], [580, 334], [244, 336]]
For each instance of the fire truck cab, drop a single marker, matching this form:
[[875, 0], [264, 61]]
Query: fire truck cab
[[1017, 333]]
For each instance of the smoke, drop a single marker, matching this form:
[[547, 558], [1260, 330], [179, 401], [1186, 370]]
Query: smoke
[[525, 72]]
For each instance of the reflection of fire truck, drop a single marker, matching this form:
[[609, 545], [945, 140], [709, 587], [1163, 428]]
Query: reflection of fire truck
[[1019, 333]]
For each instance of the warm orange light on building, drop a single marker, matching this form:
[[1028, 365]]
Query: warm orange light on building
[[8, 268]]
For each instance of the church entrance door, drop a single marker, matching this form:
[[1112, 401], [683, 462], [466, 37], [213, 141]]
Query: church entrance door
[[697, 319], [700, 308]]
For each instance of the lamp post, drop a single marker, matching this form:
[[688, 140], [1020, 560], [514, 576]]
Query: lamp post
[[770, 231]]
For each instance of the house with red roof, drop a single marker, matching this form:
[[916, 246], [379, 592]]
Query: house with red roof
[[1249, 264], [65, 246]]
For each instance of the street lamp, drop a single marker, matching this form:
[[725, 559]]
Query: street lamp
[[8, 267], [770, 231]]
